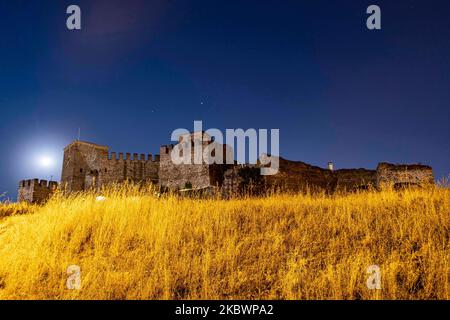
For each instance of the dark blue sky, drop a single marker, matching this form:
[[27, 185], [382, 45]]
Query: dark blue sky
[[140, 69]]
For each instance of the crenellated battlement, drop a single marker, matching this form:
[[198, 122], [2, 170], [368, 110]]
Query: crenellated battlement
[[167, 148], [35, 190], [36, 182], [136, 157]]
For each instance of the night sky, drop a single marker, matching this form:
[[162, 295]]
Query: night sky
[[140, 69]]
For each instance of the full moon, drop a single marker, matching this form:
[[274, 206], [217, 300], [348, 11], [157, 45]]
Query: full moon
[[46, 161]]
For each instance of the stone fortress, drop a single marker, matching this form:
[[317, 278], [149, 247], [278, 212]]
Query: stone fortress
[[88, 166]]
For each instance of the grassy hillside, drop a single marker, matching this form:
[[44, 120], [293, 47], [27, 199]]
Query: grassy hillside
[[136, 246]]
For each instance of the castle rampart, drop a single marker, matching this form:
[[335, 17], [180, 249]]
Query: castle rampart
[[90, 166], [87, 165], [35, 190]]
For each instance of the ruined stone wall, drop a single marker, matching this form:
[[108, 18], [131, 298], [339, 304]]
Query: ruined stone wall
[[354, 179], [296, 176], [404, 174], [232, 182], [35, 191], [217, 174], [299, 176], [243, 179]]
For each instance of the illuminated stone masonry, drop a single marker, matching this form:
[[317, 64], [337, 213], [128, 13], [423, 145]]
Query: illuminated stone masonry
[[89, 166]]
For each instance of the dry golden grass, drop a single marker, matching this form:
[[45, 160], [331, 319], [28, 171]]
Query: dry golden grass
[[136, 246], [12, 209]]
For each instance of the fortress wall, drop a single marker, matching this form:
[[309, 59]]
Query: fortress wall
[[151, 170], [298, 176], [404, 174], [111, 172], [295, 176], [353, 179], [175, 176], [232, 182], [217, 174], [136, 168], [87, 165], [26, 190], [202, 175], [35, 191], [243, 179], [217, 170]]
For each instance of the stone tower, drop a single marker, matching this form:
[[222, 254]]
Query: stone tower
[[81, 166], [197, 174], [88, 166]]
